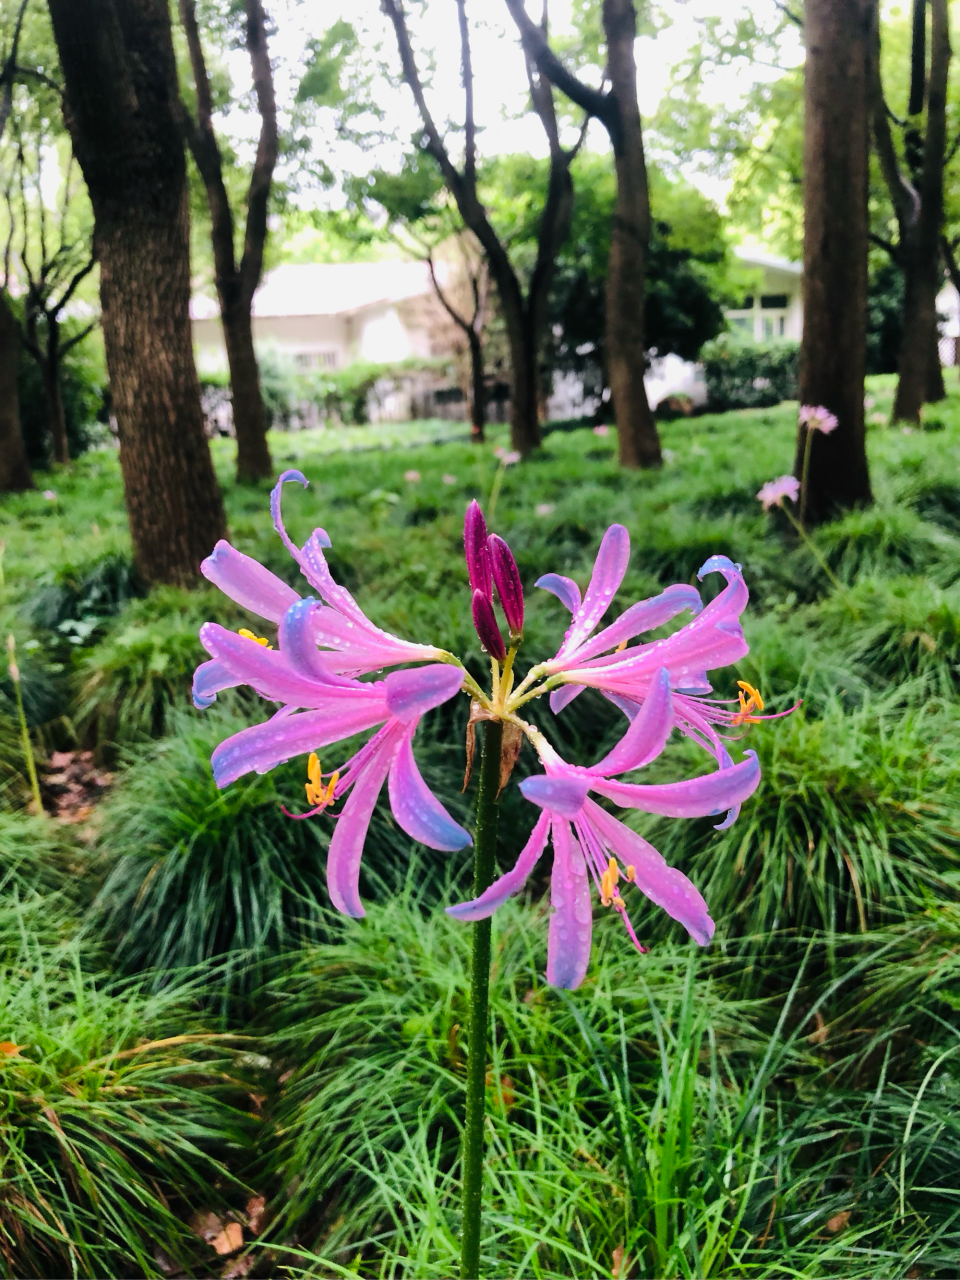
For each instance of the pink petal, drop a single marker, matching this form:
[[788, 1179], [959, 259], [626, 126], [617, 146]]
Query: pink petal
[[410, 694], [648, 732], [563, 795], [565, 589], [486, 626], [708, 796], [346, 847], [509, 883], [263, 746], [209, 679], [476, 551], [563, 696], [646, 615], [608, 570], [415, 807], [298, 636], [664, 885], [266, 670], [247, 582], [571, 925], [509, 587]]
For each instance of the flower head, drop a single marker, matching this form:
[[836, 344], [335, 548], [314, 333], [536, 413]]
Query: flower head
[[50, 495], [773, 492], [588, 842], [412, 477], [490, 561], [817, 418], [321, 650]]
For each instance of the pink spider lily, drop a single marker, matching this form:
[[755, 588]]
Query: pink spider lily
[[816, 418], [773, 492], [322, 704], [713, 638], [588, 841]]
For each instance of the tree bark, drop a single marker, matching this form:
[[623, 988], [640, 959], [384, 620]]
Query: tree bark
[[619, 113], [46, 352], [120, 84], [237, 283], [836, 229], [478, 389], [629, 243], [15, 475]]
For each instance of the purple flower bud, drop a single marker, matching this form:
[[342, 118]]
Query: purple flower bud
[[485, 622], [507, 578], [476, 550]]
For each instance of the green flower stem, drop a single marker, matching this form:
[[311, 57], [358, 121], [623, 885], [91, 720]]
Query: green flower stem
[[484, 866], [815, 552], [24, 731], [804, 476]]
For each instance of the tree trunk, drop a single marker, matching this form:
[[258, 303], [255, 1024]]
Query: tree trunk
[[524, 419], [15, 473], [920, 246], [52, 394], [833, 349], [478, 390], [249, 415], [120, 83], [629, 239]]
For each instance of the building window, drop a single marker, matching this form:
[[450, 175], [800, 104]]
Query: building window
[[303, 360], [742, 324], [774, 301], [774, 327], [328, 360]]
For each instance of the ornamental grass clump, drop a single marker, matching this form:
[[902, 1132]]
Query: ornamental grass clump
[[313, 666]]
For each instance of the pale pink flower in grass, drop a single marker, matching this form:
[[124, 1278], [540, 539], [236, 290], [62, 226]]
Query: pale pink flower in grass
[[601, 430], [449, 479], [816, 418], [544, 508], [773, 492], [321, 649], [50, 495], [412, 477], [588, 842], [510, 459]]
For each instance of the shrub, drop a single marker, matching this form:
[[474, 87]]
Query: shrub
[[746, 375], [77, 600]]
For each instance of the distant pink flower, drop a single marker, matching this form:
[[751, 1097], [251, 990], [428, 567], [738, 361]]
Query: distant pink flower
[[817, 418], [589, 841], [544, 508], [510, 458], [499, 451], [50, 495], [601, 430], [773, 492], [449, 479], [412, 477]]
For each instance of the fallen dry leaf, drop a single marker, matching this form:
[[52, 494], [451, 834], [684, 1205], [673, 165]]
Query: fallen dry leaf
[[256, 1207], [239, 1267], [229, 1239], [205, 1224], [837, 1222]]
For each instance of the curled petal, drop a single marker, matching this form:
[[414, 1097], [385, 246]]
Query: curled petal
[[662, 884], [485, 622], [298, 643], [571, 925], [647, 734], [477, 551], [411, 694], [507, 578], [563, 795], [703, 797], [346, 847], [509, 883], [415, 807], [565, 589], [209, 679], [263, 746], [608, 570], [247, 582], [265, 670], [646, 615]]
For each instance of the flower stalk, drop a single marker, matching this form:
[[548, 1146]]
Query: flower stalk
[[484, 867], [24, 731]]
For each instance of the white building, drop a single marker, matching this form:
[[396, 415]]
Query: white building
[[776, 309]]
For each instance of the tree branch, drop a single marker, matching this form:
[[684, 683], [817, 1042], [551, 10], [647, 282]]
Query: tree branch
[[906, 201], [78, 337], [9, 70], [261, 179], [789, 13], [448, 306], [918, 58], [466, 73], [593, 101], [888, 245]]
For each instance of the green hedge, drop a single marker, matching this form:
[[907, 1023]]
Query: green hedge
[[748, 375]]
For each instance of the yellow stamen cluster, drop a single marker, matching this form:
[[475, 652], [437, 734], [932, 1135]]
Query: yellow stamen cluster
[[752, 702], [248, 635], [318, 795], [608, 885]]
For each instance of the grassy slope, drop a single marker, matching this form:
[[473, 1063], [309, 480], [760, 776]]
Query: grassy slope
[[780, 1104]]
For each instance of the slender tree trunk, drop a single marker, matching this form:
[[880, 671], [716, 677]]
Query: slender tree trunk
[[15, 473], [121, 107], [833, 349], [249, 415], [629, 240], [920, 238], [53, 395], [478, 390]]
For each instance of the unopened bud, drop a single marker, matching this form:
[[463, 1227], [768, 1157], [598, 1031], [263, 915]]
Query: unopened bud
[[485, 622], [476, 550], [507, 577]]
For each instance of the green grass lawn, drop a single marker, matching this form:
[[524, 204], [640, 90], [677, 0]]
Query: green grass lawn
[[187, 1028]]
